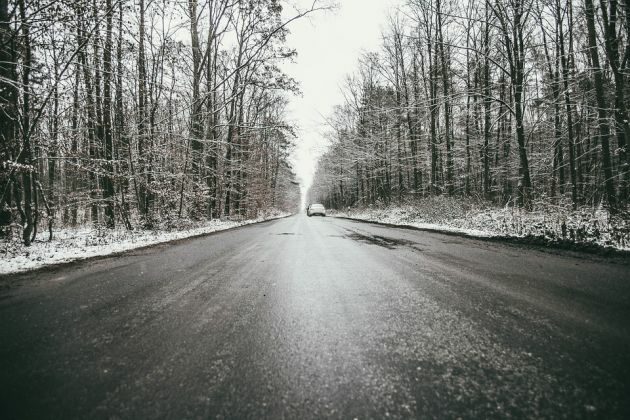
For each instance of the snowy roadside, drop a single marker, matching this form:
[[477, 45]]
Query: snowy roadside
[[581, 228], [82, 243], [394, 218]]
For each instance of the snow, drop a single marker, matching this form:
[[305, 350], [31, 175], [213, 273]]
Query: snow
[[81, 243], [558, 223]]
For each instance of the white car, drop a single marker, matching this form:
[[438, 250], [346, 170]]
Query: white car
[[314, 209]]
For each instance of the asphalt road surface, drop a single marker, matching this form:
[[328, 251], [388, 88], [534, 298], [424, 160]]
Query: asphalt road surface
[[319, 318]]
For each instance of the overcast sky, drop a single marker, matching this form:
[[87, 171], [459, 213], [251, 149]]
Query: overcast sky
[[328, 45]]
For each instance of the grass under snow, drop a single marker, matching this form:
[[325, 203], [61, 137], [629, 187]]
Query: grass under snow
[[548, 223], [71, 244]]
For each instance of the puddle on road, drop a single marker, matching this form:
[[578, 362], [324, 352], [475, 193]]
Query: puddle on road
[[385, 242], [288, 234], [452, 242]]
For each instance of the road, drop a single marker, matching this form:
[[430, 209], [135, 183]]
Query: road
[[319, 318]]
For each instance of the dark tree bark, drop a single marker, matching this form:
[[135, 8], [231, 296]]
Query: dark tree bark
[[513, 33], [602, 106], [142, 189], [622, 124], [8, 111], [26, 155], [91, 113], [487, 103], [567, 103], [196, 124], [450, 187], [108, 184]]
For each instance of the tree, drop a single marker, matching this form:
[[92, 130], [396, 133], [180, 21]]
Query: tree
[[604, 127], [505, 78]]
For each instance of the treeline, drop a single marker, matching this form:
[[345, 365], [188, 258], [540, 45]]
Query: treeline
[[140, 112], [509, 101]]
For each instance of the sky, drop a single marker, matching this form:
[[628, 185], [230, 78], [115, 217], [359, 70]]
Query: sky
[[329, 45]]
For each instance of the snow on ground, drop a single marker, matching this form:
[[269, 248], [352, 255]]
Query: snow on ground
[[81, 243], [559, 224]]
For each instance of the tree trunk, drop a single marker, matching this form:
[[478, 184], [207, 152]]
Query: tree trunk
[[143, 194], [622, 126], [26, 157], [602, 106], [196, 127], [108, 184], [487, 102], [450, 187], [567, 104], [8, 110]]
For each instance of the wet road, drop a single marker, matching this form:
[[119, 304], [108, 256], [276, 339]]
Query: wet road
[[319, 317]]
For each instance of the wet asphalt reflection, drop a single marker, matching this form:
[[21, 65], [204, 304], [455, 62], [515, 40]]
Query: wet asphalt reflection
[[319, 318]]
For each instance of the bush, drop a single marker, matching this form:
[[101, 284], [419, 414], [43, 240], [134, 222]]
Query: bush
[[550, 222]]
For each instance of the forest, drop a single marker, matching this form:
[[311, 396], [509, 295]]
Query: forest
[[150, 114], [510, 103], [142, 113]]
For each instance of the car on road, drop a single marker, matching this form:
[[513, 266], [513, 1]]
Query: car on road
[[316, 209]]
